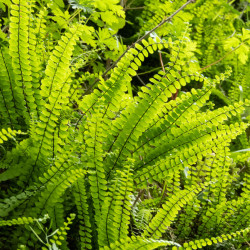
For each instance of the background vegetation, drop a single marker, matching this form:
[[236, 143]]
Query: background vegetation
[[124, 124]]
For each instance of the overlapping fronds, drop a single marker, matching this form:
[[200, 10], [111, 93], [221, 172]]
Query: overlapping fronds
[[142, 168]]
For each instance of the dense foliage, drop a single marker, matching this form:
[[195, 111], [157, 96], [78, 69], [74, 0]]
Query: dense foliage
[[109, 142]]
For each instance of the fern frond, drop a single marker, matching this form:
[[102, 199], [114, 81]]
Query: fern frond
[[19, 51], [61, 233], [6, 134], [208, 242], [152, 99], [176, 112], [96, 171], [116, 209], [54, 89], [21, 221], [188, 129], [188, 155], [139, 243], [7, 205], [40, 33], [55, 189], [166, 215], [83, 214], [11, 105]]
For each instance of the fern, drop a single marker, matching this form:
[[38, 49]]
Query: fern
[[5, 134], [208, 242], [160, 165], [83, 214], [19, 38], [10, 103]]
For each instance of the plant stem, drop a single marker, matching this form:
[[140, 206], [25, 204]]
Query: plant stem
[[162, 65], [230, 52], [135, 8]]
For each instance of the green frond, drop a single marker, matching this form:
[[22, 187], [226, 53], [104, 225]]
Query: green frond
[[18, 221], [166, 215], [22, 221], [83, 214], [139, 243], [40, 33], [214, 240], [11, 105], [175, 112], [116, 209], [5, 135], [34, 58], [61, 233], [96, 171], [54, 89], [187, 155], [54, 190], [152, 99], [19, 51], [7, 205]]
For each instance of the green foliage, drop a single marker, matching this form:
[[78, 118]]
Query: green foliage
[[90, 161], [5, 134]]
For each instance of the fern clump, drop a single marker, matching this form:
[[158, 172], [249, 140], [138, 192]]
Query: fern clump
[[90, 161]]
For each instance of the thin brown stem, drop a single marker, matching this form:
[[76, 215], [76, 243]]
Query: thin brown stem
[[163, 69], [162, 64], [139, 78], [141, 192], [230, 52], [135, 8]]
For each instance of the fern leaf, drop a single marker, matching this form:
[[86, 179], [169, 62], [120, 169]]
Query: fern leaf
[[6, 134], [55, 189], [83, 214], [18, 221], [167, 214], [116, 209], [208, 242], [11, 104], [139, 243], [19, 51]]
